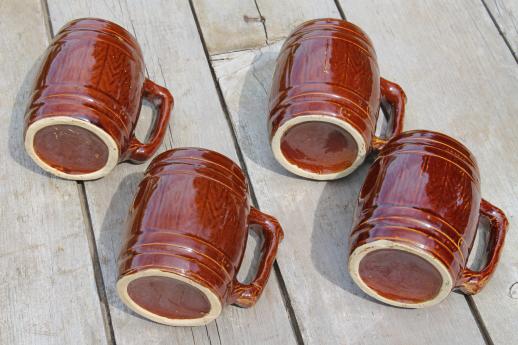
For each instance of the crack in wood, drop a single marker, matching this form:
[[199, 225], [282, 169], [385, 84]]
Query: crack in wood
[[263, 22]]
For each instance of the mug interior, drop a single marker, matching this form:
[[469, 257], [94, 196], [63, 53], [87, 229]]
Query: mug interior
[[319, 147], [168, 298], [400, 274], [71, 148]]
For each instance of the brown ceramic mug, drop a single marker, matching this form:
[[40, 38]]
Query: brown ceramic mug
[[188, 229], [325, 100], [86, 101], [416, 221]]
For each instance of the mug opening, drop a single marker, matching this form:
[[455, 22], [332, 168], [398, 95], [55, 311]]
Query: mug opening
[[71, 148], [319, 147], [399, 274], [168, 298]]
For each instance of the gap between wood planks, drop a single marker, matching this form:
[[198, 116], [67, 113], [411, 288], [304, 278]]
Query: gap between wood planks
[[478, 318], [99, 281], [169, 132], [165, 141], [284, 292], [493, 19], [89, 232], [469, 299]]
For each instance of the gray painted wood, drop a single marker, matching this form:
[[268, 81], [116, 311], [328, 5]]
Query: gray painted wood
[[174, 57], [230, 25], [283, 16], [243, 24], [48, 293], [461, 79], [505, 13]]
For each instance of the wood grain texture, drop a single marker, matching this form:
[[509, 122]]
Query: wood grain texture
[[226, 29], [281, 17], [175, 58], [460, 79], [47, 275], [505, 14], [230, 25]]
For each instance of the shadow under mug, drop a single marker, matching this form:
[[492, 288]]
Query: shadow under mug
[[416, 220], [325, 100], [188, 228], [86, 101]]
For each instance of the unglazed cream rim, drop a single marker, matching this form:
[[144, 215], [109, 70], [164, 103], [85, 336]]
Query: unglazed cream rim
[[113, 150], [277, 152], [122, 291], [360, 252]]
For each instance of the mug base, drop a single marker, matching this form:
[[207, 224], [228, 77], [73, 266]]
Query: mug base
[[400, 274], [71, 148], [208, 305], [343, 149]]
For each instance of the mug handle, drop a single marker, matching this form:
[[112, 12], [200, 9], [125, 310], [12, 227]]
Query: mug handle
[[161, 98], [471, 282], [246, 295], [395, 96]]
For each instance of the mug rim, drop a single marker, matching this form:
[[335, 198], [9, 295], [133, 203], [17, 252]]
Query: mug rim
[[293, 168], [122, 290], [111, 145], [361, 251]]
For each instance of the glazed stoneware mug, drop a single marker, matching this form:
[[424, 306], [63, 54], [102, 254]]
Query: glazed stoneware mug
[[416, 220], [325, 100], [188, 229], [86, 101]]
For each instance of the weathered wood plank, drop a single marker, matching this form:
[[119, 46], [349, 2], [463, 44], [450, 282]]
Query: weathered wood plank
[[230, 25], [174, 57], [225, 28], [283, 16], [48, 293], [505, 13], [460, 79]]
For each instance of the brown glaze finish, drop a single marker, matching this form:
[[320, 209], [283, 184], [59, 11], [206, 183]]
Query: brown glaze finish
[[401, 276], [421, 197], [188, 228], [327, 72], [92, 82]]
